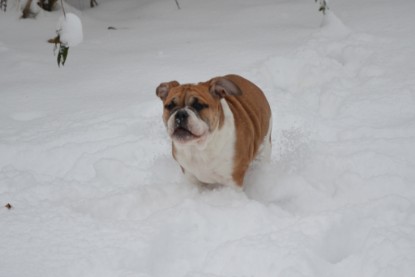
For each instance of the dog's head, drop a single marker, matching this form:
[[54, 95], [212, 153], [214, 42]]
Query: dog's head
[[192, 112]]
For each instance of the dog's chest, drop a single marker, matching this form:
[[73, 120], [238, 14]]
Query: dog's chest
[[210, 166]]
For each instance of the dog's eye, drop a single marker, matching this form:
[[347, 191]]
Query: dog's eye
[[199, 106], [170, 106]]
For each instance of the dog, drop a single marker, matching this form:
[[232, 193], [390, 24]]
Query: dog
[[218, 128]]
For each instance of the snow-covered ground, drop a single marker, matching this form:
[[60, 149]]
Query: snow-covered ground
[[85, 160]]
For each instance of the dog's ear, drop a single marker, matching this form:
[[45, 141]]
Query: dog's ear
[[219, 87], [163, 89]]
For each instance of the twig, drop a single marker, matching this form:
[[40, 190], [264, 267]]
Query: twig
[[93, 3], [177, 4], [63, 9]]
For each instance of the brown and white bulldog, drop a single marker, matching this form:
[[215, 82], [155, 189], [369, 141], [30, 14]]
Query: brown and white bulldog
[[217, 127]]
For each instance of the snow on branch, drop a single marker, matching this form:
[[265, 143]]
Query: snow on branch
[[69, 34]]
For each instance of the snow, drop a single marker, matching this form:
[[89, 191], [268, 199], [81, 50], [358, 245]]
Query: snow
[[86, 164], [70, 29]]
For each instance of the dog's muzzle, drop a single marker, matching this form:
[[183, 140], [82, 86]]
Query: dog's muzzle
[[182, 132], [181, 119]]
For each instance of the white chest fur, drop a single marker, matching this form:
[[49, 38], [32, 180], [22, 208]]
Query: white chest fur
[[213, 161]]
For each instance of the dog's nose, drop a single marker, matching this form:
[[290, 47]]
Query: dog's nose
[[181, 117]]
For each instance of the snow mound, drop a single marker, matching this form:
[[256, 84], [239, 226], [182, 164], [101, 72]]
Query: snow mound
[[69, 29], [333, 26]]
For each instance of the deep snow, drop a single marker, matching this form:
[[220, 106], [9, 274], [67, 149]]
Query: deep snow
[[85, 160]]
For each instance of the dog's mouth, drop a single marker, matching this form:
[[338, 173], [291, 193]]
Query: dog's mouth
[[182, 134]]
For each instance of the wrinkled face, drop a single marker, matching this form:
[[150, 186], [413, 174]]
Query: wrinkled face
[[191, 113]]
